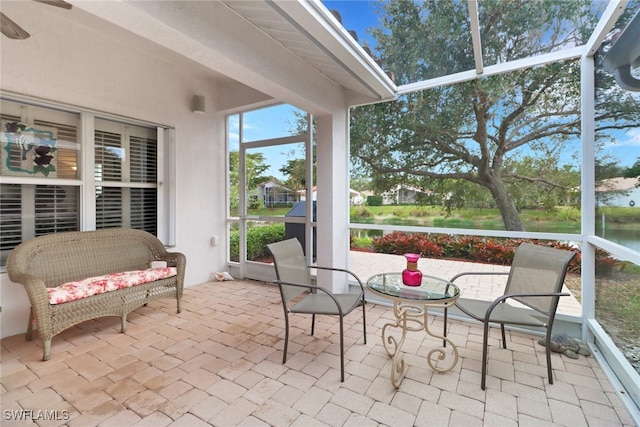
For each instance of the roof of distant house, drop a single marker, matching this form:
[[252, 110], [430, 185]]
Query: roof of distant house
[[617, 184]]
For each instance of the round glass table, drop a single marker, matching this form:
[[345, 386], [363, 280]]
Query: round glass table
[[410, 308]]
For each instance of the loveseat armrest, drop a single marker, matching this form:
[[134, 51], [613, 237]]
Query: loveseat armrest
[[38, 297], [178, 260]]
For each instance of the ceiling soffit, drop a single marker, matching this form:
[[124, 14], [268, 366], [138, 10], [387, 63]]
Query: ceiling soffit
[[301, 59], [312, 33]]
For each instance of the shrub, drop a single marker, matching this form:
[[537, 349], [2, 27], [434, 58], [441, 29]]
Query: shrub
[[400, 213], [604, 263], [477, 249], [362, 244], [374, 200], [494, 252], [258, 237], [400, 243], [360, 212], [568, 214]]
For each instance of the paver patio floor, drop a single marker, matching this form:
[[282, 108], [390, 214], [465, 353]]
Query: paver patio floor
[[219, 363]]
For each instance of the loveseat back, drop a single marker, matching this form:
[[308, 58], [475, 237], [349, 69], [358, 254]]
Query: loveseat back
[[65, 257]]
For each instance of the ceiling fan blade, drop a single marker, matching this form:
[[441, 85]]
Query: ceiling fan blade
[[57, 3], [11, 29]]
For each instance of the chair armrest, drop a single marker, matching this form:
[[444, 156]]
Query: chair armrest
[[342, 270], [479, 273], [505, 297]]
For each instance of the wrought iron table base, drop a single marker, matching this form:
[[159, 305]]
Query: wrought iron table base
[[414, 317]]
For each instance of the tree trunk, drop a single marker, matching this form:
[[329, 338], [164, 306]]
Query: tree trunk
[[507, 208]]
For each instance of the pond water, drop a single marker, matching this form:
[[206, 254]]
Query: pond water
[[625, 237]]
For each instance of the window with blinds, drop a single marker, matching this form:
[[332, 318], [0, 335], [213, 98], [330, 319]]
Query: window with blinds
[[56, 209], [29, 207], [109, 156], [32, 203], [144, 159], [108, 207], [126, 164], [10, 219], [143, 209], [67, 148]]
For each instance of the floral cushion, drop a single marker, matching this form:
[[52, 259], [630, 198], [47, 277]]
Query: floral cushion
[[109, 282]]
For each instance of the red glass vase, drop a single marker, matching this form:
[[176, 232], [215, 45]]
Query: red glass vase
[[411, 276]]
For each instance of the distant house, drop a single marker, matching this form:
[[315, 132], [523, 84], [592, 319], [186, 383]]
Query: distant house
[[355, 197], [404, 195], [314, 194], [272, 193], [618, 192]]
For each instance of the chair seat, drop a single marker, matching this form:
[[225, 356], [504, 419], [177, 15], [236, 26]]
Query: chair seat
[[321, 303], [502, 313]]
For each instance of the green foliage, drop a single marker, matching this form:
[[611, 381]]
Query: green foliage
[[453, 223], [401, 243], [360, 243], [374, 200], [606, 169], [360, 212], [255, 203], [400, 213], [476, 249], [616, 215], [258, 238], [295, 171], [618, 305], [568, 214], [255, 166], [399, 221], [633, 171], [420, 212], [562, 219]]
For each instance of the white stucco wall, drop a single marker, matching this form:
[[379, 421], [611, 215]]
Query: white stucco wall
[[77, 59], [84, 68]]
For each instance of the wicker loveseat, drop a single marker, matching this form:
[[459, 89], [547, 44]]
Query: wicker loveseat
[[55, 271]]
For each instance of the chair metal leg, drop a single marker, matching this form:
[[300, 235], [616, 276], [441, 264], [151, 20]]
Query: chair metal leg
[[341, 350], [548, 351], [504, 337], [286, 337], [313, 323], [364, 321], [485, 348]]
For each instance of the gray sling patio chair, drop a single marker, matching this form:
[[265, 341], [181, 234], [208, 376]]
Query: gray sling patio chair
[[294, 279], [535, 280]]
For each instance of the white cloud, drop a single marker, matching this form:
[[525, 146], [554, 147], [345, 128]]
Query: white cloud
[[630, 138]]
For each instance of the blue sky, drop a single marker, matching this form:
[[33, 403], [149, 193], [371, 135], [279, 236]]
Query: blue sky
[[626, 148], [267, 123], [357, 15]]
